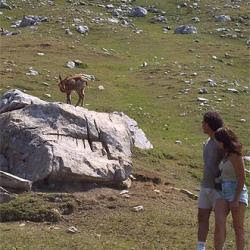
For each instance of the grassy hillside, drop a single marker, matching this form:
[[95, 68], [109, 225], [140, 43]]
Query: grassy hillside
[[161, 97]]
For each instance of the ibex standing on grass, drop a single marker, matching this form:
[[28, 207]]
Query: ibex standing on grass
[[77, 83]]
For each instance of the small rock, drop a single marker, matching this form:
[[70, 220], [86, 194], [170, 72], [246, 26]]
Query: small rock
[[185, 29], [222, 18], [231, 90], [203, 90], [127, 183], [82, 29], [137, 208], [100, 87], [70, 64], [178, 142], [157, 191], [202, 100], [72, 229], [124, 192]]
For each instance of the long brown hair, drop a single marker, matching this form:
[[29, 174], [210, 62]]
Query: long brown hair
[[230, 141]]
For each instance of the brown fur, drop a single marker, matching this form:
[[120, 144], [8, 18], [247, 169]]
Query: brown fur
[[77, 83]]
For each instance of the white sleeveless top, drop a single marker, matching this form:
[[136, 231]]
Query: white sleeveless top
[[227, 171]]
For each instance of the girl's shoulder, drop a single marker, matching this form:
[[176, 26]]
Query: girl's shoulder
[[235, 158]]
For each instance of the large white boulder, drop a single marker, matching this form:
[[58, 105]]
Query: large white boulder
[[59, 142]]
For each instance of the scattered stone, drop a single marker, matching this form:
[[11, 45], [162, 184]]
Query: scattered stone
[[138, 12], [203, 90], [45, 83], [196, 19], [72, 229], [166, 29], [202, 100], [126, 183], [137, 208], [222, 18], [159, 19], [232, 90], [144, 64], [157, 191], [185, 29], [30, 21], [47, 95], [243, 120], [4, 5], [40, 54], [82, 29], [124, 192], [211, 82], [9, 33], [32, 72], [178, 142], [78, 62], [70, 64], [100, 87], [68, 32]]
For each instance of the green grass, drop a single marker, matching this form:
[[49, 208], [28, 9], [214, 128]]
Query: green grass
[[134, 90]]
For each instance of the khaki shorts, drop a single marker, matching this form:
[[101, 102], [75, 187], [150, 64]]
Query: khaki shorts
[[207, 198]]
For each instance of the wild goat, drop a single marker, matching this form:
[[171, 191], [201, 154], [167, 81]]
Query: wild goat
[[77, 83]]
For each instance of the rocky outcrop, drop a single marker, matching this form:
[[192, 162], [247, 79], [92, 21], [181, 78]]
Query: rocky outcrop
[[59, 142]]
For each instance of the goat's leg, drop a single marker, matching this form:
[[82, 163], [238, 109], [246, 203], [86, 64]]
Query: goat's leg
[[82, 99], [82, 95], [79, 100], [68, 98]]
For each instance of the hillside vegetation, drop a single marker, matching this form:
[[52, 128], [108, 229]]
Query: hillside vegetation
[[156, 78]]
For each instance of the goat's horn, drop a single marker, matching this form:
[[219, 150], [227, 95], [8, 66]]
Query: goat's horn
[[60, 78]]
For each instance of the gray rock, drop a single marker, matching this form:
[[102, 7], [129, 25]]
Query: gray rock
[[138, 12], [70, 64], [82, 29], [4, 5], [232, 90], [32, 20], [203, 90], [185, 29], [222, 18], [60, 142]]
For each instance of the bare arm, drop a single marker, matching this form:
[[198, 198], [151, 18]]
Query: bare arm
[[238, 164]]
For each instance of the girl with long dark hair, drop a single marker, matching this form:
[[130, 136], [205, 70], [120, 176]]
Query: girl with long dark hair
[[234, 195]]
